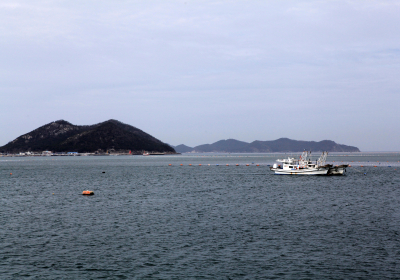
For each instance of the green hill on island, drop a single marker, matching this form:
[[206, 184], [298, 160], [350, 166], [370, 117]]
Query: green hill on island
[[62, 136]]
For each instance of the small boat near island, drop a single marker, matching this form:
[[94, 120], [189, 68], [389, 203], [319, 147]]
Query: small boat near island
[[153, 154], [304, 166]]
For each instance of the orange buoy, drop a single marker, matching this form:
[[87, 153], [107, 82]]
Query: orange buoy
[[362, 165], [227, 165], [190, 164], [258, 165], [169, 164], [375, 166], [181, 164], [237, 164], [247, 164], [88, 193], [10, 173], [200, 164]]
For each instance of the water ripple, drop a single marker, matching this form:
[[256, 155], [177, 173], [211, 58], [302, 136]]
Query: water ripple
[[154, 221]]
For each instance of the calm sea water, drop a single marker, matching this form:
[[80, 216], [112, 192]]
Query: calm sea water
[[149, 220]]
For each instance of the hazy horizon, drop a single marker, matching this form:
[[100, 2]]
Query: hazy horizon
[[196, 72]]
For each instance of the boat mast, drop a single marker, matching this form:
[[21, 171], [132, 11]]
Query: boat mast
[[303, 160], [322, 159]]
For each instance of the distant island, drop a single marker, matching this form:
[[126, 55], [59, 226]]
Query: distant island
[[280, 145], [109, 136], [113, 136]]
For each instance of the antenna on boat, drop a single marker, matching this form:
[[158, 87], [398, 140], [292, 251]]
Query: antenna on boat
[[322, 159]]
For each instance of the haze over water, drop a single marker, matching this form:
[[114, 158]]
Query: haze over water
[[154, 221]]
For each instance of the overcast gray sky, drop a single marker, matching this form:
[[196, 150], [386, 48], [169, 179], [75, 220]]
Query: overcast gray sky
[[196, 72]]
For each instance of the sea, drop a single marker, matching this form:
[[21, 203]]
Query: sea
[[198, 216]]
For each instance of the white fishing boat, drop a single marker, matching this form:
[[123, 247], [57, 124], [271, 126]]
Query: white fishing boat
[[301, 166]]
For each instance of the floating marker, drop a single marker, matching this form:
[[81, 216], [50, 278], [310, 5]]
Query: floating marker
[[200, 164], [169, 164], [190, 164], [258, 165], [227, 165], [181, 164], [88, 193], [10, 173]]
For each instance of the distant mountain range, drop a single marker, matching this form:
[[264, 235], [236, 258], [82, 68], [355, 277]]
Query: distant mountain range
[[62, 136], [279, 145], [115, 136]]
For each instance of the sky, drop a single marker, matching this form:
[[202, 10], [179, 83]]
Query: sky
[[195, 72]]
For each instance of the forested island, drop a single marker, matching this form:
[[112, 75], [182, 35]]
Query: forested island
[[109, 136]]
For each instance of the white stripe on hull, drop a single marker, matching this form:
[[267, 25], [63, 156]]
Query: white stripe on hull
[[300, 171]]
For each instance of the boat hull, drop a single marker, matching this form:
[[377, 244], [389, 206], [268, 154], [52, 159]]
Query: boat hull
[[306, 171], [337, 170]]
